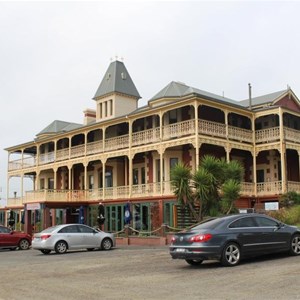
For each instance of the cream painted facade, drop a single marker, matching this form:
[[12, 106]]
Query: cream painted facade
[[126, 153]]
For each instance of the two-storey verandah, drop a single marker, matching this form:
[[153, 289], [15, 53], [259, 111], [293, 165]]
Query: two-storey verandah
[[116, 163]]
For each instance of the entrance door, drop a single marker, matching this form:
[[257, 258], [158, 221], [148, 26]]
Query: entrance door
[[114, 215]]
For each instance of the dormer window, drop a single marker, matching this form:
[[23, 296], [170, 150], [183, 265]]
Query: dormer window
[[123, 75]]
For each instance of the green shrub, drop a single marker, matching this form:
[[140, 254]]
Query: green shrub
[[290, 216]]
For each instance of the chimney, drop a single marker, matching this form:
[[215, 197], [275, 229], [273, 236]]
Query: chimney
[[250, 99], [89, 116]]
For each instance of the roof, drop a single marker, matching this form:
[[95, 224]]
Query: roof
[[117, 79], [269, 98], [177, 89], [59, 127]]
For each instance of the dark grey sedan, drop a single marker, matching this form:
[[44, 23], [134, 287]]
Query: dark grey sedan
[[233, 237]]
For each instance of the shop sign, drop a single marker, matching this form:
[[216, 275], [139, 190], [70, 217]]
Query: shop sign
[[33, 206]]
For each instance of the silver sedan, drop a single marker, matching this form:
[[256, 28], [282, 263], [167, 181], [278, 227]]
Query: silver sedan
[[61, 238]]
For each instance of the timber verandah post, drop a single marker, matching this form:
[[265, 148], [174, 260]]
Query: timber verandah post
[[282, 153]]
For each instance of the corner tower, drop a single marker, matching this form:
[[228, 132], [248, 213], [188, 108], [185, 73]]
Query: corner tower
[[116, 95]]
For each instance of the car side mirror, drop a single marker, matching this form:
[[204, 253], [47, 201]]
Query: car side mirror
[[279, 226]]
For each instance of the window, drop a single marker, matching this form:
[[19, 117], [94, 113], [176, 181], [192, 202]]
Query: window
[[114, 215], [4, 230], [91, 182], [135, 176], [173, 116], [157, 170], [108, 178], [42, 183], [50, 183], [100, 110], [85, 229], [260, 175], [141, 217], [143, 171], [105, 108], [265, 222], [173, 163], [168, 213], [243, 222], [111, 107], [69, 229]]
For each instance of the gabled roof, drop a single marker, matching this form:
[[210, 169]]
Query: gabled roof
[[59, 127], [177, 89], [265, 99], [117, 80]]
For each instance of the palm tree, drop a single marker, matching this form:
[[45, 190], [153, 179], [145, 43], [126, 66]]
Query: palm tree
[[181, 177], [214, 186]]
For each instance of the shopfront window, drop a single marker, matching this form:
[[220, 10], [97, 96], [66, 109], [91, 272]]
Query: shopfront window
[[169, 213], [141, 217]]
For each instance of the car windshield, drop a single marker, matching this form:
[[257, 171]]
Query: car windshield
[[208, 224]]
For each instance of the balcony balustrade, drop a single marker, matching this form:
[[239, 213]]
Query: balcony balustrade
[[112, 193], [136, 191], [116, 143], [15, 202], [180, 129], [267, 135], [177, 130], [46, 158], [240, 134], [77, 151], [94, 147], [293, 186], [292, 135], [212, 128], [62, 154], [269, 188], [247, 189], [145, 137]]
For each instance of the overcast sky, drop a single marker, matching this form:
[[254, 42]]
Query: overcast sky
[[53, 55]]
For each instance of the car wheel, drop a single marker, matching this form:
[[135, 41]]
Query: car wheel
[[61, 247], [45, 251], [295, 245], [194, 262], [106, 244], [24, 244], [231, 255]]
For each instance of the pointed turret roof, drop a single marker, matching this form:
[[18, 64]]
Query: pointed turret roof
[[117, 80]]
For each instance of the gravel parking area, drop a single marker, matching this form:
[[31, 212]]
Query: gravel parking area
[[134, 272]]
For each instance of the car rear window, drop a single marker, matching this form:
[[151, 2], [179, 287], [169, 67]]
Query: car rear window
[[210, 224], [49, 229]]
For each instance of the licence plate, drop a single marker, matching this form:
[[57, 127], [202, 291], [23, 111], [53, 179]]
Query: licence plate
[[180, 250]]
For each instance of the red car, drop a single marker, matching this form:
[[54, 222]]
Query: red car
[[12, 240]]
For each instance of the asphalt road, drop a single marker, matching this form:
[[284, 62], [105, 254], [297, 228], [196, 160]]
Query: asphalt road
[[142, 273]]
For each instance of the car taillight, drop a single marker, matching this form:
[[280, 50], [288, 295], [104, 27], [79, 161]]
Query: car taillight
[[45, 236], [199, 238], [173, 239]]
